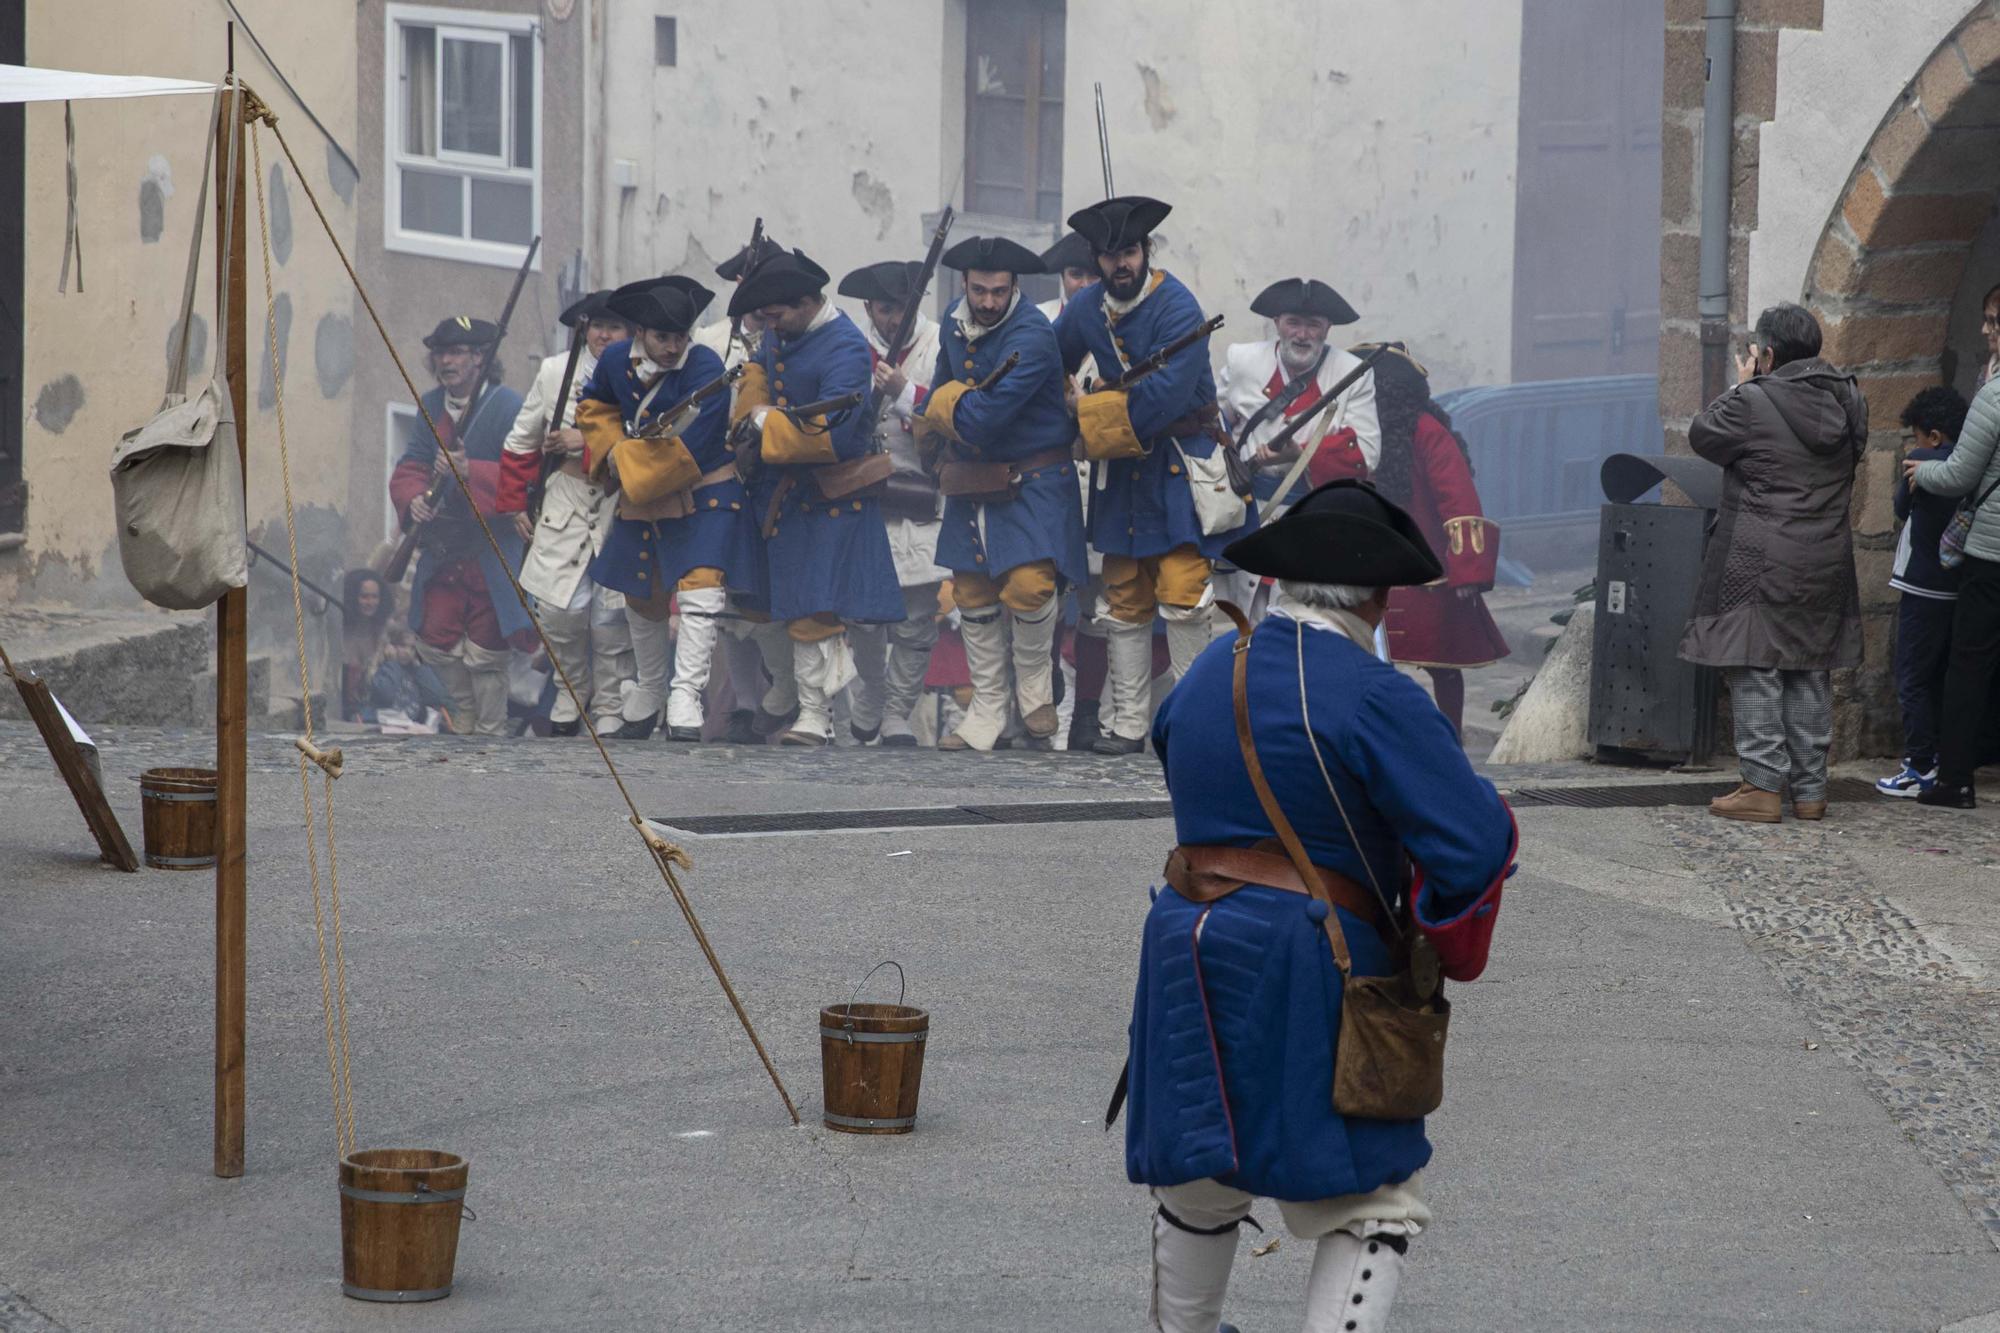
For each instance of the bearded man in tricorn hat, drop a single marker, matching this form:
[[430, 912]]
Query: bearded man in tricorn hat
[[1332, 835]]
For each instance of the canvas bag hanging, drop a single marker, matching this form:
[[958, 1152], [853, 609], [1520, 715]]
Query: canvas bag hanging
[[176, 481]]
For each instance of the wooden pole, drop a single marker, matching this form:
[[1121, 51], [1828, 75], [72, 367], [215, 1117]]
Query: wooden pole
[[231, 669]]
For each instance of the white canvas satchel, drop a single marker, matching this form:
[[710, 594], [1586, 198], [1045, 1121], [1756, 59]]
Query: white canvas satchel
[[176, 482], [1217, 506]]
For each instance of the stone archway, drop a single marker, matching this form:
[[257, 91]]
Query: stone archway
[[1882, 282]]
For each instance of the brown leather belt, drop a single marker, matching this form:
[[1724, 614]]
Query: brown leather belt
[[1035, 462], [1204, 421], [1204, 874]]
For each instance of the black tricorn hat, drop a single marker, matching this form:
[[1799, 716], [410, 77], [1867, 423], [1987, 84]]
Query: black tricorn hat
[[1072, 251], [665, 305], [731, 269], [1303, 296], [462, 331], [891, 280], [785, 275], [1117, 223], [584, 309], [1344, 532], [991, 254]]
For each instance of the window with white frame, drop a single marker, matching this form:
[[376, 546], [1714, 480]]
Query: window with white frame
[[463, 133]]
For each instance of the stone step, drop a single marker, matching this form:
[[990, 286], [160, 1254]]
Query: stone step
[[131, 667]]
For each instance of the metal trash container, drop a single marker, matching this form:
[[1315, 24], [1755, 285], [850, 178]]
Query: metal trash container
[[1645, 702]]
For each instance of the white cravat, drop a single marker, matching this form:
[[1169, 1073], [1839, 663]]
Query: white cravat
[[972, 329], [1356, 630]]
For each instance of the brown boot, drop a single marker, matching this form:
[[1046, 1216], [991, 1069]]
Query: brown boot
[[1749, 803], [1810, 810]]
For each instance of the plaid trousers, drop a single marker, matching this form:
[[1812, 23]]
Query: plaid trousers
[[1784, 727]]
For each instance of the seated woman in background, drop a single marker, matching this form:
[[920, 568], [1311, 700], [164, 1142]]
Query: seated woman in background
[[365, 606]]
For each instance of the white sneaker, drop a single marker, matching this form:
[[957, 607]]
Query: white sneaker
[[1908, 784]]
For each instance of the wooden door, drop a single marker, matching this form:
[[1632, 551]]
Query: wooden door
[[1587, 208]]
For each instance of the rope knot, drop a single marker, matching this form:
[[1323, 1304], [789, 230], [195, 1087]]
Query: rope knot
[[329, 761], [666, 851]]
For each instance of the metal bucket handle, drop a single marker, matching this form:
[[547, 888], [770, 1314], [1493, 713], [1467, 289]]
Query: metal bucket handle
[[464, 1208], [902, 990]]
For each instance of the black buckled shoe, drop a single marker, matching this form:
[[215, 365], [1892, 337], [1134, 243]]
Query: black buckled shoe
[[637, 731], [685, 735], [569, 728], [1110, 744], [899, 741], [864, 737], [742, 728], [1950, 797]]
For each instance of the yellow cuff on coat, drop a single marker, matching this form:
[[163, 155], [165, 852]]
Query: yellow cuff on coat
[[938, 412], [752, 391], [650, 470], [784, 442], [602, 428], [1106, 428]]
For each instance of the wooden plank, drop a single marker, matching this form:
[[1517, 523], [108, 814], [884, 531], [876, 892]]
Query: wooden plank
[[231, 677], [74, 767]]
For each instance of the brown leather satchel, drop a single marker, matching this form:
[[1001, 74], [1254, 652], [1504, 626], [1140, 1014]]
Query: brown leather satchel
[[1389, 1058], [907, 495], [855, 479]]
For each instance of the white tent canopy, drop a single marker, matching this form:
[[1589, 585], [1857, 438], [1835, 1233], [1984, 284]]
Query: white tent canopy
[[25, 83]]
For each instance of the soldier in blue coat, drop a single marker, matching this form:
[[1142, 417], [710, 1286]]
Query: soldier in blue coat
[[1013, 522], [1238, 1006], [683, 531], [826, 550], [1150, 446]]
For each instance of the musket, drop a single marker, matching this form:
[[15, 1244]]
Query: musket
[[907, 325], [1277, 442], [551, 461], [399, 563], [1159, 359], [259, 553], [750, 262], [656, 428], [1104, 146], [744, 434]]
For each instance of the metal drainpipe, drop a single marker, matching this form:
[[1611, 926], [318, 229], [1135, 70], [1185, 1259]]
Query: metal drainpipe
[[1718, 137]]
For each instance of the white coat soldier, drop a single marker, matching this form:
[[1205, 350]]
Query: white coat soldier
[[891, 661], [1394, 853], [1013, 525], [585, 623], [1074, 265], [753, 647], [1266, 386]]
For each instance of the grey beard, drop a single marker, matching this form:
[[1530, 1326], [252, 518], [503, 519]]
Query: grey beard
[[1294, 361]]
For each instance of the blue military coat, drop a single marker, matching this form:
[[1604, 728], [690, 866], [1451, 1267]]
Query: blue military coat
[[485, 438], [1022, 415], [823, 556], [1238, 1003], [640, 557], [1143, 506]]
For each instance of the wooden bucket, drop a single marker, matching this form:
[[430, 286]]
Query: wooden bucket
[[399, 1211], [178, 805], [872, 1062]]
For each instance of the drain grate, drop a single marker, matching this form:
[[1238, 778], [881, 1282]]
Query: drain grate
[[1654, 794], [927, 816]]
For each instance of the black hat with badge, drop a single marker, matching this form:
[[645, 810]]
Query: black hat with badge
[[462, 331], [665, 305], [991, 254], [1304, 296], [893, 280], [1072, 251], [782, 276], [1117, 223], [584, 309], [1344, 532]]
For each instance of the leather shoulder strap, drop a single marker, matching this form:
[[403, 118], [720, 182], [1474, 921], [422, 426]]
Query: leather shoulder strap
[[1240, 693]]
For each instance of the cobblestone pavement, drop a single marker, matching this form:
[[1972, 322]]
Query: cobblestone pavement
[[1923, 1030]]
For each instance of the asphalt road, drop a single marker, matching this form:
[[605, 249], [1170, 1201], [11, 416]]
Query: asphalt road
[[1650, 1123]]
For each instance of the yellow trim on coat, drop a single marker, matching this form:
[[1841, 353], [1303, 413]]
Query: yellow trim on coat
[[602, 427], [1106, 426], [784, 442], [938, 415], [752, 392], [650, 470]]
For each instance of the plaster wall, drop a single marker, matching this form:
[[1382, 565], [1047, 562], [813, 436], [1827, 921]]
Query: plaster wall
[[95, 357], [1372, 146], [1834, 87]]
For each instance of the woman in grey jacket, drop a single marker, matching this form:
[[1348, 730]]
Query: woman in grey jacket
[[1972, 469]]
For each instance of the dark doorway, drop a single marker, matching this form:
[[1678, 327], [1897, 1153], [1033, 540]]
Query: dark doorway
[[1587, 210], [13, 204]]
